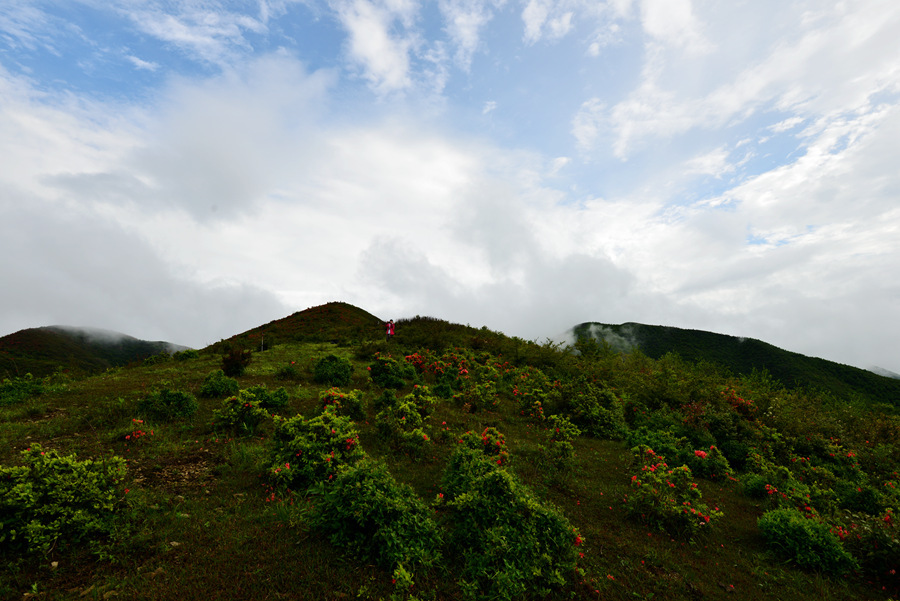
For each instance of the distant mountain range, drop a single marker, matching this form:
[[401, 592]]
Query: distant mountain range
[[41, 351], [743, 355]]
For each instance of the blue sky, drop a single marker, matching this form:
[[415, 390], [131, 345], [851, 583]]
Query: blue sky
[[185, 170]]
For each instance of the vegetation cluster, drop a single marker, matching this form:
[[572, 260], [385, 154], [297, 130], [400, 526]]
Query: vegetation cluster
[[447, 463]]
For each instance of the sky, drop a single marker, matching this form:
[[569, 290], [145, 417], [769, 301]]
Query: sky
[[185, 170]]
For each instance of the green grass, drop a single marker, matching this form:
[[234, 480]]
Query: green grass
[[201, 522]]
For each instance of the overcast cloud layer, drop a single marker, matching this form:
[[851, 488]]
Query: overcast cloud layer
[[183, 171]]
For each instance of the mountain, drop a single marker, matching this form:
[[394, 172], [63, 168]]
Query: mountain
[[743, 356], [41, 351], [332, 322]]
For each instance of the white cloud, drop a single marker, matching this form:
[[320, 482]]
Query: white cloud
[[207, 32], [673, 22], [142, 64], [464, 21], [383, 55]]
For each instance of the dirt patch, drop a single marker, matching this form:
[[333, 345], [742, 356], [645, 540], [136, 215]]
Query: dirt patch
[[177, 473]]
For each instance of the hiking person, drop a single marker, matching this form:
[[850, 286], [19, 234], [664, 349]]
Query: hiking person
[[390, 329]]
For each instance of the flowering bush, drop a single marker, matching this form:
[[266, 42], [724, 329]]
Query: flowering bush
[[490, 443], [809, 542], [333, 370], [243, 413], [276, 399], [368, 514], [53, 499], [557, 449], [513, 546], [310, 451], [874, 540], [404, 422], [167, 405], [667, 498], [346, 403], [217, 384], [387, 372], [478, 396], [709, 463]]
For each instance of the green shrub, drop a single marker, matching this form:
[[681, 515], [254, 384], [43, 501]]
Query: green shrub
[[288, 372], [310, 451], [346, 403], [598, 411], [512, 545], [874, 540], [18, 389], [217, 385], [157, 359], [166, 405], [277, 399], [387, 372], [54, 500], [235, 363], [367, 513], [404, 424], [557, 450], [333, 370], [710, 464], [667, 498], [806, 541], [490, 443], [242, 413], [477, 396], [186, 354]]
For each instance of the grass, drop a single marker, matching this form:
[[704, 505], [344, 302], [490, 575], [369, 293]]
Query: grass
[[201, 520]]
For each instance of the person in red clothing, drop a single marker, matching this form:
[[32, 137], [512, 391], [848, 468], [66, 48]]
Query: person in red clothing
[[390, 329]]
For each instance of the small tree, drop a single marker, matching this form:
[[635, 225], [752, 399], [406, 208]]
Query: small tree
[[236, 361]]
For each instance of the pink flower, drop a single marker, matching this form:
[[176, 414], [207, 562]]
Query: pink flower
[[700, 454]]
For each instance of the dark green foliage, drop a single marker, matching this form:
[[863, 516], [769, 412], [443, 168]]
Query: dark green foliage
[[333, 370], [288, 372], [404, 422], [596, 409], [746, 355], [54, 500], [217, 385], [277, 399], [43, 351], [157, 359], [235, 363], [167, 405], [667, 498], [512, 546], [367, 513], [16, 390], [806, 541], [186, 355], [241, 413], [345, 403], [310, 451], [387, 372]]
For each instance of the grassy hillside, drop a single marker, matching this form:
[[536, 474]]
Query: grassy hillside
[[42, 351], [449, 463], [743, 355]]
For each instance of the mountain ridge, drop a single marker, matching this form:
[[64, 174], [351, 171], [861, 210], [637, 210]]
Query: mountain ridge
[[42, 351], [743, 355]]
